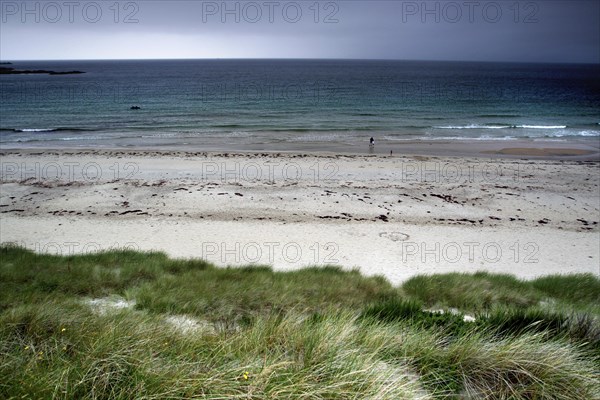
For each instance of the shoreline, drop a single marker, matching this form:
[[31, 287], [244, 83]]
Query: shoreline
[[577, 150]]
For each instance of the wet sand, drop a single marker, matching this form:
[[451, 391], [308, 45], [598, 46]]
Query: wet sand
[[572, 149]]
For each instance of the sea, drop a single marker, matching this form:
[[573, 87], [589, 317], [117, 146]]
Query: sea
[[293, 104]]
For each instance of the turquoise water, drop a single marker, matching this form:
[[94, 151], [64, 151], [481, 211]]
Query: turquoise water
[[252, 103]]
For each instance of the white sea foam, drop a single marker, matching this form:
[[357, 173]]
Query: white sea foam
[[319, 137], [584, 133], [36, 130], [542, 126], [476, 126]]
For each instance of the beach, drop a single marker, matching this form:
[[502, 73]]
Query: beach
[[300, 200], [503, 208]]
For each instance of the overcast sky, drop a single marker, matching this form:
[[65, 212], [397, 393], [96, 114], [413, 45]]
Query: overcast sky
[[473, 30]]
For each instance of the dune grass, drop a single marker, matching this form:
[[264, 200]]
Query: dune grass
[[121, 325], [482, 291]]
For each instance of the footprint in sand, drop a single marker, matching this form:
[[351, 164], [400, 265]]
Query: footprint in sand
[[394, 236]]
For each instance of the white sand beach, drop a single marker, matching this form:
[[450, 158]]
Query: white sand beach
[[392, 216]]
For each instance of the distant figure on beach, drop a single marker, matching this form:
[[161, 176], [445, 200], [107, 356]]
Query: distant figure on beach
[[371, 142]]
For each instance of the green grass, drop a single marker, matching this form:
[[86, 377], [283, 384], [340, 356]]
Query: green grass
[[242, 293], [188, 329], [483, 291], [582, 289]]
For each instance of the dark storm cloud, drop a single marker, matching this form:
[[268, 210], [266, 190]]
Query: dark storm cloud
[[555, 31]]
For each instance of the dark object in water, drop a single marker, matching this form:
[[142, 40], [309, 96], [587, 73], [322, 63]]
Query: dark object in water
[[135, 108], [12, 71]]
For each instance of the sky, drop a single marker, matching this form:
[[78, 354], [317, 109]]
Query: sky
[[463, 30]]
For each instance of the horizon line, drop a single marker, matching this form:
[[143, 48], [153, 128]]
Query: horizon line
[[2, 60]]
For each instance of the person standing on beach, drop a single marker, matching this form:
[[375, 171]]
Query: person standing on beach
[[371, 142]]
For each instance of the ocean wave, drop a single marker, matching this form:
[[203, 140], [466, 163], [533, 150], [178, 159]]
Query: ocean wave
[[477, 126], [441, 138], [34, 139], [585, 133], [318, 138], [67, 139], [161, 135], [43, 130], [542, 126], [34, 130]]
